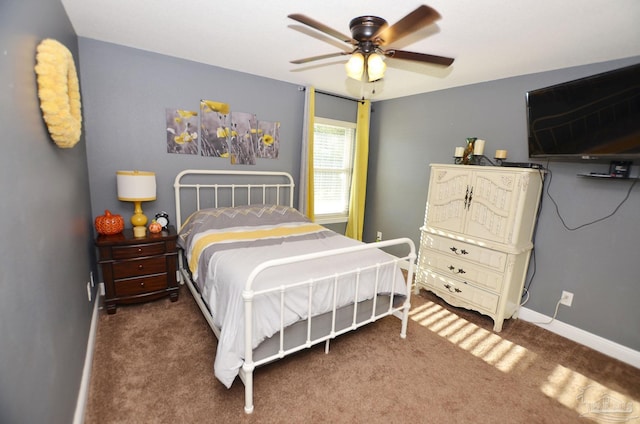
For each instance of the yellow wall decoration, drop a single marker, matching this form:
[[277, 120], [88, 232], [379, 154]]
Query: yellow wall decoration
[[59, 92]]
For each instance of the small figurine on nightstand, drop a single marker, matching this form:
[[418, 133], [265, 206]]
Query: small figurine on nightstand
[[155, 227]]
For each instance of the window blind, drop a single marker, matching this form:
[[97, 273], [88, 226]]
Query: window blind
[[332, 161]]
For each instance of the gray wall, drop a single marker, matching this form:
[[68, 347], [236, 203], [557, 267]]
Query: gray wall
[[598, 263], [46, 245], [125, 94]]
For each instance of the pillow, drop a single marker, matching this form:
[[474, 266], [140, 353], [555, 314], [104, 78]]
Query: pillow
[[239, 216]]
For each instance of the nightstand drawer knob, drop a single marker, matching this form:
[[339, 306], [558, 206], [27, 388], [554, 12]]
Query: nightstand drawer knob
[[139, 249], [140, 267], [142, 284]]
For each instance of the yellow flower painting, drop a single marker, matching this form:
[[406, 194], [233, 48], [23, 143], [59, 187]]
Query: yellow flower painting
[[268, 140], [214, 128], [182, 131], [242, 143]]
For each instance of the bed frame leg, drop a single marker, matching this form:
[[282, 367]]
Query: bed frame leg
[[248, 393], [326, 346], [405, 321], [247, 370]]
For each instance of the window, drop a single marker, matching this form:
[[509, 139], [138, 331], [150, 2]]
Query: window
[[333, 146]]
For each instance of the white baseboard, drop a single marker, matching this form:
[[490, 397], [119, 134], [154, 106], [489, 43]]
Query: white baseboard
[[83, 394], [602, 345]]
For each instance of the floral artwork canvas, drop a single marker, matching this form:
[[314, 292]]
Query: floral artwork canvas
[[214, 128], [182, 131], [268, 140], [243, 136]]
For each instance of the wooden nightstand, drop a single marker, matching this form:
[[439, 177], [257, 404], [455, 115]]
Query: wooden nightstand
[[137, 270]]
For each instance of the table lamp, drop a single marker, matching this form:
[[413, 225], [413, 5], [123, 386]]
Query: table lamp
[[137, 187]]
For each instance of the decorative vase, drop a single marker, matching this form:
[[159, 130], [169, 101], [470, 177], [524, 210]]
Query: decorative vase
[[467, 157]]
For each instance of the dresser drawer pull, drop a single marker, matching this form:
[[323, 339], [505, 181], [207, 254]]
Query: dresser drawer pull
[[142, 284], [139, 249], [455, 289], [140, 267], [459, 271], [455, 250]]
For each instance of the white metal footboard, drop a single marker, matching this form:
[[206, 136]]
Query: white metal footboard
[[250, 293]]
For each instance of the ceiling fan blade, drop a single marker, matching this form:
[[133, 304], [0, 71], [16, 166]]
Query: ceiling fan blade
[[419, 57], [324, 56], [421, 17], [321, 27]]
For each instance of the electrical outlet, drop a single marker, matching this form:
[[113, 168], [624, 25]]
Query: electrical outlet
[[89, 290], [567, 298], [379, 236]]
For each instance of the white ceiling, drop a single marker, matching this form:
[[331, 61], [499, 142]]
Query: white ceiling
[[490, 39]]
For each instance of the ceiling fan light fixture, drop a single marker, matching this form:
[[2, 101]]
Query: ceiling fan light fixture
[[372, 39], [355, 66], [375, 67]]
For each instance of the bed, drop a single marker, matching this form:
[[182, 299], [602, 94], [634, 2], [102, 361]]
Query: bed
[[269, 281]]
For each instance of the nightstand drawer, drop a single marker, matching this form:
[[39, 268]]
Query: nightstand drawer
[[138, 267], [135, 286], [136, 251]]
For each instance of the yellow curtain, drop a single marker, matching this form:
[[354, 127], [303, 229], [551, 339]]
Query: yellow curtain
[[305, 201], [357, 197]]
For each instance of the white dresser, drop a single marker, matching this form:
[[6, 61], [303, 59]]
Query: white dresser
[[476, 240]]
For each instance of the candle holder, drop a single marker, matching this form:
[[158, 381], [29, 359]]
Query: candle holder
[[499, 161], [457, 160], [481, 160]]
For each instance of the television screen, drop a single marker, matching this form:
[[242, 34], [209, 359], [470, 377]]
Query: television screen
[[596, 117]]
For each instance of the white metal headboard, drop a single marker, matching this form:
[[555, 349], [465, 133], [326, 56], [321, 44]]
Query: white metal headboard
[[218, 188]]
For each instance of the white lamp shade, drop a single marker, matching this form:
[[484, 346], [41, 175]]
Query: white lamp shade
[[375, 67], [355, 66], [136, 186]]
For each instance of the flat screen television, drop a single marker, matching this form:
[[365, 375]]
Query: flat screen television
[[592, 118]]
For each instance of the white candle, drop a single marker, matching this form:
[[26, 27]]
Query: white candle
[[478, 147], [501, 154], [459, 152]]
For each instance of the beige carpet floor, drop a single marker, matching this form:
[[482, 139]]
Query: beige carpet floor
[[153, 363]]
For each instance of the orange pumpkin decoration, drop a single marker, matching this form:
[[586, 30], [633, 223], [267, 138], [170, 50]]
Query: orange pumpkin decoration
[[155, 227], [109, 223]]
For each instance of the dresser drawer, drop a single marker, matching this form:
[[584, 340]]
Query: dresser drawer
[[137, 250], [460, 269], [479, 298], [470, 252], [133, 286], [138, 267]]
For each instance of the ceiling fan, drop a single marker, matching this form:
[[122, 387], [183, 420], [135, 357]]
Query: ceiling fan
[[369, 34]]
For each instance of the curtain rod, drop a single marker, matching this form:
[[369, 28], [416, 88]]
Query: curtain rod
[[332, 95]]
